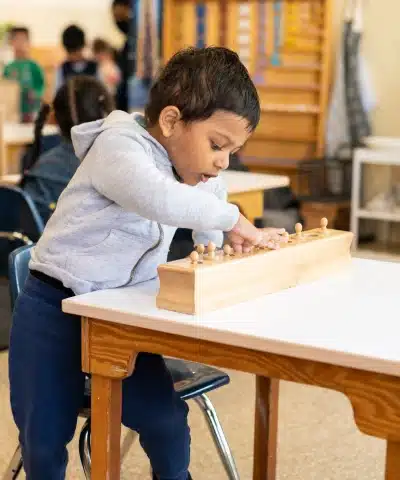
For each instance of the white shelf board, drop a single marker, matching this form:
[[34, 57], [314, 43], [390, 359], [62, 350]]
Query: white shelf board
[[378, 156], [374, 215]]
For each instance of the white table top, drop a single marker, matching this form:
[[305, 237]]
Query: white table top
[[236, 182], [340, 319], [240, 182], [23, 133]]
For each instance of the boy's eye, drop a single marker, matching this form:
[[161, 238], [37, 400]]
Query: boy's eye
[[215, 147]]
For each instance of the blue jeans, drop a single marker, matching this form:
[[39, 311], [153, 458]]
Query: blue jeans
[[47, 391]]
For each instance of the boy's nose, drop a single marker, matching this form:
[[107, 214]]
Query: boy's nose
[[222, 163]]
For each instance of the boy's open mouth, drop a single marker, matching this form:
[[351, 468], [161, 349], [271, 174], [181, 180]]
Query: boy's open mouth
[[205, 177]]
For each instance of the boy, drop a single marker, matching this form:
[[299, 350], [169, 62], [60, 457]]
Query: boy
[[139, 179], [73, 40], [26, 72]]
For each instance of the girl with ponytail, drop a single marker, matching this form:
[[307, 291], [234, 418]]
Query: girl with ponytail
[[81, 99]]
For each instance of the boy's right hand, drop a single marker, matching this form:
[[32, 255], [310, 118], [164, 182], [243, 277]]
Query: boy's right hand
[[245, 235]]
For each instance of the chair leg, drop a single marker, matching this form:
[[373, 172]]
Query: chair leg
[[218, 435], [84, 449], [15, 465]]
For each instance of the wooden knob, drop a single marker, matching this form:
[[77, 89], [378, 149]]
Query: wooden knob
[[298, 228], [324, 223], [194, 257], [200, 248], [227, 249], [211, 249]]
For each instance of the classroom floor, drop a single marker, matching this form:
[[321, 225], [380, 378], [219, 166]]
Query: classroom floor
[[318, 439]]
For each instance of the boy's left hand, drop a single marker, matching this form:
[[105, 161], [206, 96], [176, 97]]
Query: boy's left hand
[[271, 238]]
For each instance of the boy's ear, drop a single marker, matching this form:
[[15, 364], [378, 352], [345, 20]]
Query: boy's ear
[[167, 120]]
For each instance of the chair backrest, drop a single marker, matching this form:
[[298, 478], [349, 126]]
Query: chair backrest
[[18, 270], [19, 213]]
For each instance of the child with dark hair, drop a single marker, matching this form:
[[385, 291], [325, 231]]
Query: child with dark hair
[[26, 72], [74, 43], [81, 99], [139, 179]]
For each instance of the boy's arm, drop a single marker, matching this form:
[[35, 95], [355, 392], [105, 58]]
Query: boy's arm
[[218, 188], [124, 172], [58, 79], [6, 71], [38, 80]]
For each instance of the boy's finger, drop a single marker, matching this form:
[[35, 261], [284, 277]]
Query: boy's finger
[[273, 245], [237, 248]]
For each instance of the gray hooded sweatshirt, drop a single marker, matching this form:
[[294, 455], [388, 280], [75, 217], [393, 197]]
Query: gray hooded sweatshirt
[[115, 221]]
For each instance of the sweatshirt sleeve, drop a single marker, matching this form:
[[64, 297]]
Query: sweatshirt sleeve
[[124, 172], [218, 188]]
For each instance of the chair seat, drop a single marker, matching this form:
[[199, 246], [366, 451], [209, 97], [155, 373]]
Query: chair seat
[[193, 379], [190, 380]]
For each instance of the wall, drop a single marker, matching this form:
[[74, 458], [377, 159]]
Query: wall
[[381, 46], [47, 18]]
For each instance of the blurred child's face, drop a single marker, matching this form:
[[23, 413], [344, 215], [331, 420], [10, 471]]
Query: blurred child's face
[[201, 149], [20, 44], [101, 56]]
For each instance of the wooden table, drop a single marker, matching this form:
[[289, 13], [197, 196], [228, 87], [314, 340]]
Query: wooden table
[[246, 190], [332, 333], [14, 137], [275, 166]]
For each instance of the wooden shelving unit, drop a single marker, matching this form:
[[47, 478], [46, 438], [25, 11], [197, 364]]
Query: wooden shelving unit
[[288, 56]]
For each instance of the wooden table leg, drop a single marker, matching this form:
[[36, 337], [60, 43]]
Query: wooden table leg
[[392, 460], [251, 204], [106, 427], [265, 428]]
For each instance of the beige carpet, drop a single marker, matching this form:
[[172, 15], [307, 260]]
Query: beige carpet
[[317, 436]]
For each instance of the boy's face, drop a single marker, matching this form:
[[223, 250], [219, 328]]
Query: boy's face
[[200, 150], [20, 44]]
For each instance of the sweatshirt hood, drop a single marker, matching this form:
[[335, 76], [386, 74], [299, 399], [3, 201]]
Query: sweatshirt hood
[[132, 124]]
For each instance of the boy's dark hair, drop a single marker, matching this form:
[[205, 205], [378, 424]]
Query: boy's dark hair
[[125, 3], [15, 30], [200, 81], [99, 45], [81, 99], [73, 39]]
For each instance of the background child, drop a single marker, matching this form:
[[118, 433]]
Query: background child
[[139, 179], [74, 43], [81, 99], [108, 69], [124, 18], [26, 72]]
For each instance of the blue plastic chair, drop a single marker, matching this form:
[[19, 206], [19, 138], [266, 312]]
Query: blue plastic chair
[[19, 217], [191, 380]]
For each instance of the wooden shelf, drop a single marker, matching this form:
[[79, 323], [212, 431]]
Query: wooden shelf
[[301, 67], [278, 137], [294, 93], [290, 108], [292, 87], [301, 50]]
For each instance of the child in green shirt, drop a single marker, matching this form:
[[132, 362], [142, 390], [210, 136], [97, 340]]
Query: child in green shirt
[[26, 72]]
